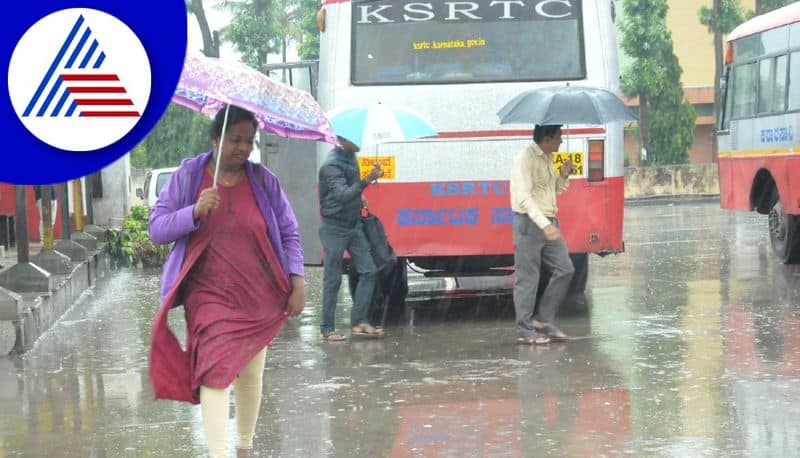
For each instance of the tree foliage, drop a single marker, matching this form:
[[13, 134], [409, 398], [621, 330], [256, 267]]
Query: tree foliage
[[765, 6], [721, 19], [255, 29], [309, 34], [726, 19], [180, 133], [131, 245], [654, 76]]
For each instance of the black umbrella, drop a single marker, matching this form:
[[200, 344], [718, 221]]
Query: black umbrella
[[565, 105]]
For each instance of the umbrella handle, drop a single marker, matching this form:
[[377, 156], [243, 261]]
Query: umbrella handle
[[221, 141]]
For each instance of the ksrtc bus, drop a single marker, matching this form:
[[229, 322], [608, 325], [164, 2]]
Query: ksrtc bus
[[444, 200], [758, 132]]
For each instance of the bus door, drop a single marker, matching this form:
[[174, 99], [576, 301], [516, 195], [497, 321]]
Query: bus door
[[295, 161]]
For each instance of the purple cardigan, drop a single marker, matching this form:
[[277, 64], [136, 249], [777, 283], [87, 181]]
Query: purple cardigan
[[171, 220]]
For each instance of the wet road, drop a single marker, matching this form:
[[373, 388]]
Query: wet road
[[691, 347]]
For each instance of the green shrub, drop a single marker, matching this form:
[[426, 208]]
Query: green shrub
[[131, 245]]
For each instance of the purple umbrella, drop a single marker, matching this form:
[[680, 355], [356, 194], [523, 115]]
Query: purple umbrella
[[209, 84]]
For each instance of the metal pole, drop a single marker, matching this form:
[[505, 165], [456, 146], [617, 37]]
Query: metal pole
[[77, 201], [21, 224], [65, 223], [47, 218], [89, 196]]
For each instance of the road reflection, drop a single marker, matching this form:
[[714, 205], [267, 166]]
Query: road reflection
[[691, 347]]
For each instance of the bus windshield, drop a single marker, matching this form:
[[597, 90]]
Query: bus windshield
[[408, 42]]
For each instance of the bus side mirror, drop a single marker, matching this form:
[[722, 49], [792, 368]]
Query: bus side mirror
[[139, 193]]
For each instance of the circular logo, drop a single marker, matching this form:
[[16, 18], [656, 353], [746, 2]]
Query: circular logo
[[79, 79], [68, 140]]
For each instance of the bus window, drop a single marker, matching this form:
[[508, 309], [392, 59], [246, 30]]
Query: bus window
[[769, 42], [744, 90], [775, 40], [794, 82], [465, 42], [794, 35], [748, 48], [728, 107], [772, 85], [779, 94], [766, 77]]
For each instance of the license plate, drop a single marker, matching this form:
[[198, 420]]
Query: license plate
[[577, 162]]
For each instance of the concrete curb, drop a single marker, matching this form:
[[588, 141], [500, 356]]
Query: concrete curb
[[671, 199], [40, 311]]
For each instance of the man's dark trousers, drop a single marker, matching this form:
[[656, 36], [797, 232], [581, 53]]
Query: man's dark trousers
[[531, 251], [335, 239]]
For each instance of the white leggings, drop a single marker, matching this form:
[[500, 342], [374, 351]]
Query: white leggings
[[214, 405]]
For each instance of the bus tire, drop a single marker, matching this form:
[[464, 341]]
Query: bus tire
[[575, 302], [784, 234], [580, 261]]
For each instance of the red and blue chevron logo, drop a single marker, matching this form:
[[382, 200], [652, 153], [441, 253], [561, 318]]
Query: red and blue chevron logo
[[94, 84], [77, 81]]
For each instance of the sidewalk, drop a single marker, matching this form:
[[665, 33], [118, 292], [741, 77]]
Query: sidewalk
[[26, 315]]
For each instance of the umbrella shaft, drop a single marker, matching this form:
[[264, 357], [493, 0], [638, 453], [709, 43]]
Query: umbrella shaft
[[221, 140]]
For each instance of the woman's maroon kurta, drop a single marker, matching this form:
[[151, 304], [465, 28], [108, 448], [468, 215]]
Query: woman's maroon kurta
[[234, 295]]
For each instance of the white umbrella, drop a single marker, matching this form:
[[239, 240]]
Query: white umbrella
[[379, 123]]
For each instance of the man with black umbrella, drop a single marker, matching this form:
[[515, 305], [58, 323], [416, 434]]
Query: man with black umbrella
[[537, 240]]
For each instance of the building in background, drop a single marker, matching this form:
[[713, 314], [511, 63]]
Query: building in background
[[693, 44]]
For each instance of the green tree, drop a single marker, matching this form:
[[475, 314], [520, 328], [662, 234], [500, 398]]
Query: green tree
[[288, 25], [666, 119], [765, 6], [180, 133], [255, 29], [306, 17], [723, 17]]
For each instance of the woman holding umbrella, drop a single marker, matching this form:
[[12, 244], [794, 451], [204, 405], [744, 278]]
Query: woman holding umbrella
[[237, 267]]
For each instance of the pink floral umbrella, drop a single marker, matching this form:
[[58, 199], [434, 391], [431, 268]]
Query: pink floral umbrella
[[209, 84]]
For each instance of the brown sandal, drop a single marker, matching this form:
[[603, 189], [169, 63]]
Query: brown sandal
[[333, 336], [366, 330], [548, 329], [534, 339]]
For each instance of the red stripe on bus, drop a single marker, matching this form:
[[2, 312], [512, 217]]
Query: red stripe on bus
[[331, 2], [102, 77], [514, 133]]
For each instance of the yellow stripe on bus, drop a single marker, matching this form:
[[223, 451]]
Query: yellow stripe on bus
[[758, 152]]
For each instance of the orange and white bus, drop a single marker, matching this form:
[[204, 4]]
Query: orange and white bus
[[758, 132], [444, 200]]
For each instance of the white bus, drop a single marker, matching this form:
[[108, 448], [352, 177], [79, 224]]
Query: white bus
[[444, 200]]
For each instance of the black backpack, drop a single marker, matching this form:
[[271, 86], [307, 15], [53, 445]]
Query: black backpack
[[382, 252]]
